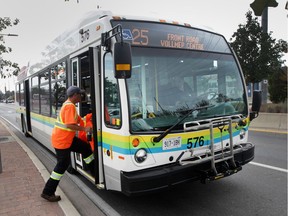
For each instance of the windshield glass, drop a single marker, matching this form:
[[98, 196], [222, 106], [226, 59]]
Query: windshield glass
[[167, 83]]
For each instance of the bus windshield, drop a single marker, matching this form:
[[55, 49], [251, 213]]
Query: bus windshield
[[168, 83]]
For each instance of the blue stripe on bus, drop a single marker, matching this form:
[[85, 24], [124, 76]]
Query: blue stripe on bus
[[160, 150], [151, 150], [43, 122]]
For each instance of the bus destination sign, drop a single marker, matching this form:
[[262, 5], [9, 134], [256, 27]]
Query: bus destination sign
[[171, 36]]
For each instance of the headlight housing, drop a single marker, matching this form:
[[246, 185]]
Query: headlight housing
[[242, 133], [140, 155]]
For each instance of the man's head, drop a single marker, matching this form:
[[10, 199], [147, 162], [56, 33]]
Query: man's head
[[74, 93]]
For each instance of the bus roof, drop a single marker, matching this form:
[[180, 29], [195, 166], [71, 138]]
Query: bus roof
[[70, 40]]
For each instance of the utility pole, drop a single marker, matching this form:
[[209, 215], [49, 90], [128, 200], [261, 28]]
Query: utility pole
[[264, 83], [260, 8]]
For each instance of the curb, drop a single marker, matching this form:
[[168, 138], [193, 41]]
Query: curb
[[267, 130]]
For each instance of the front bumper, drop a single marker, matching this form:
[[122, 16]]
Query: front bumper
[[163, 177]]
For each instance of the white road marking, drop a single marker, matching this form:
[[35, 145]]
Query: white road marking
[[269, 167]]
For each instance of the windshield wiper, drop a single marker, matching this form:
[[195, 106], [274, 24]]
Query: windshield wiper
[[161, 136]]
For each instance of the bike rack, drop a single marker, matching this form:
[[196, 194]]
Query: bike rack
[[222, 155], [221, 123]]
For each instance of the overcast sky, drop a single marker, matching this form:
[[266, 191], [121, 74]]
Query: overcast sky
[[43, 20]]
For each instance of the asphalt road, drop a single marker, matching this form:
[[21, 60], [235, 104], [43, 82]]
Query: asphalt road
[[259, 189]]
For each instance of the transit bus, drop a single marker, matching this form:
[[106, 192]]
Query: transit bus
[[168, 100]]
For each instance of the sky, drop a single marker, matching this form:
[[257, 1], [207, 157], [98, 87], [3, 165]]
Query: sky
[[43, 20]]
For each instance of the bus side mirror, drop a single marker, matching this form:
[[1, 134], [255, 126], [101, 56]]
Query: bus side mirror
[[122, 60], [256, 104]]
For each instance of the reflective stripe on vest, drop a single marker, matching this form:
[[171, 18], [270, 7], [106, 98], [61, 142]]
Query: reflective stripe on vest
[[89, 159], [56, 176], [59, 123]]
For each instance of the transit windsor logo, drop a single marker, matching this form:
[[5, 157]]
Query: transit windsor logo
[[127, 34]]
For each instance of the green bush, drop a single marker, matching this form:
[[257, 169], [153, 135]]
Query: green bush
[[274, 108], [278, 86]]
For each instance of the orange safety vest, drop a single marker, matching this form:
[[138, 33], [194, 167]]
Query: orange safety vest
[[62, 136], [86, 122]]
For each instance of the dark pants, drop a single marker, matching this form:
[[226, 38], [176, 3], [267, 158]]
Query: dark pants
[[63, 161]]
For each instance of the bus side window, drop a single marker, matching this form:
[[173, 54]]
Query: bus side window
[[111, 94], [35, 94], [58, 87], [22, 94]]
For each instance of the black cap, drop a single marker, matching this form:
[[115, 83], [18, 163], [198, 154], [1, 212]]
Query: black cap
[[74, 90]]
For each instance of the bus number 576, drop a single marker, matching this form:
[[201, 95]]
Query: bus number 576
[[194, 141]]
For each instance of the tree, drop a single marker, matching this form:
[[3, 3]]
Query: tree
[[258, 53], [278, 85], [4, 24]]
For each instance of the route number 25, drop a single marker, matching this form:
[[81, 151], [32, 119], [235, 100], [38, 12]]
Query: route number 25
[[140, 37]]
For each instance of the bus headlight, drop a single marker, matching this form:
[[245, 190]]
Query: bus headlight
[[242, 133], [140, 155]]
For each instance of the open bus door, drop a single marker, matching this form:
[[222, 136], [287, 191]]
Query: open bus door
[[83, 69], [95, 81], [76, 159]]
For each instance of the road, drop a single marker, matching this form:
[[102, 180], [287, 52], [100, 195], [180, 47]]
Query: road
[[259, 189]]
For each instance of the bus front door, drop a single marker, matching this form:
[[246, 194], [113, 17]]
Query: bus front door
[[83, 69]]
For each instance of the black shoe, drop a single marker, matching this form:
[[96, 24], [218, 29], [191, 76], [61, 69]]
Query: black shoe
[[51, 198]]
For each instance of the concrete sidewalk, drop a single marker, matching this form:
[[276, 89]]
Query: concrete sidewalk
[[270, 121], [22, 178]]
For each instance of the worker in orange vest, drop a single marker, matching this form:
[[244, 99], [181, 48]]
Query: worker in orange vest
[[87, 122], [64, 141]]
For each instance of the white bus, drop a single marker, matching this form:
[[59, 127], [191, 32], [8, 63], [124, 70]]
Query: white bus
[[167, 89]]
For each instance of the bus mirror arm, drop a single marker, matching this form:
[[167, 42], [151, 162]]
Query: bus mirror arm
[[253, 115], [122, 52], [107, 36]]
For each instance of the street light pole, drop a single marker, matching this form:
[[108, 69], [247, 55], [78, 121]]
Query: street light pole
[[260, 8], [9, 35], [264, 25], [15, 35]]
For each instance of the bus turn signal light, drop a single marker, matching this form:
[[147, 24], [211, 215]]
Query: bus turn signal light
[[120, 67], [135, 142]]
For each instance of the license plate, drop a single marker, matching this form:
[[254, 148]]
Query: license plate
[[171, 143]]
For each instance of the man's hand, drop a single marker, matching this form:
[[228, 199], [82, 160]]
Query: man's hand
[[88, 129]]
